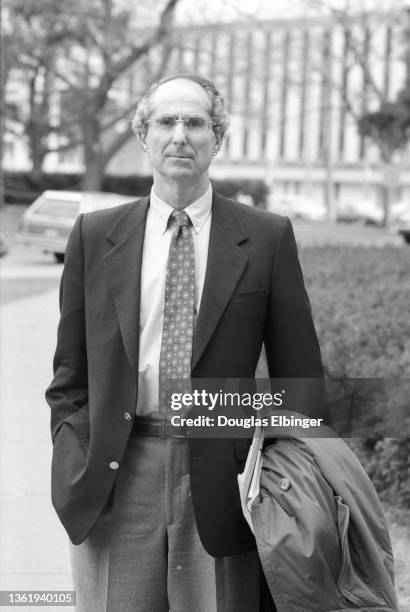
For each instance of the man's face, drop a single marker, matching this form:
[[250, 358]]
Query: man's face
[[178, 152]]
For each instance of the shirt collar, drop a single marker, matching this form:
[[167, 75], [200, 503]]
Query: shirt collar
[[198, 211]]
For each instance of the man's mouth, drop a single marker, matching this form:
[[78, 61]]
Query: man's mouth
[[178, 156]]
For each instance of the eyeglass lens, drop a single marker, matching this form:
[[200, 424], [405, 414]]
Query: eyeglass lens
[[191, 123]]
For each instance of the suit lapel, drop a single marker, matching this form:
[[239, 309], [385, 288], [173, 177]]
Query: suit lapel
[[225, 266], [122, 265]]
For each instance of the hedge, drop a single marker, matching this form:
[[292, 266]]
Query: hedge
[[360, 298], [24, 187], [253, 187]]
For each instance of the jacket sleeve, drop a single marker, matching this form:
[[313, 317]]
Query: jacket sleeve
[[291, 343], [68, 391]]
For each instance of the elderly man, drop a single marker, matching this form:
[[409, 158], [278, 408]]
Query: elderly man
[[183, 283]]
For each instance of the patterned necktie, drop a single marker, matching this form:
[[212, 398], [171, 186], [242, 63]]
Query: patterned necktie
[[176, 346]]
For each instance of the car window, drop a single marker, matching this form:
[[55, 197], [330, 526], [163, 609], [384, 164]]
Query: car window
[[59, 208]]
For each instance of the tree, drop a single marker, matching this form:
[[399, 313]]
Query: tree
[[385, 127], [388, 127], [34, 34], [76, 58], [357, 59]]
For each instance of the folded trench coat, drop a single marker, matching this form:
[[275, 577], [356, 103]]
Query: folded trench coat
[[320, 530]]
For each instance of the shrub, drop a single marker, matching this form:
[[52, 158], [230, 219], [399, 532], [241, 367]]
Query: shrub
[[360, 299], [253, 187], [127, 185], [24, 187]]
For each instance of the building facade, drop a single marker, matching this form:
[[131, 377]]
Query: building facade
[[295, 89]]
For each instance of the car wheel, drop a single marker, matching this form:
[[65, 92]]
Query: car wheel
[[59, 257]]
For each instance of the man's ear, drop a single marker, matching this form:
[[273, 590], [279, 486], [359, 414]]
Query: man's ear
[[142, 137], [143, 141], [218, 143]]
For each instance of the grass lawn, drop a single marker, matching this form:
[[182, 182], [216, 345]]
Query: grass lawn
[[360, 297], [399, 526]]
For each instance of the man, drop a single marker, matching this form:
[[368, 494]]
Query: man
[[182, 283]]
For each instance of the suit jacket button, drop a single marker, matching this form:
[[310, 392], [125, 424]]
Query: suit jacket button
[[127, 416], [284, 484], [114, 465]]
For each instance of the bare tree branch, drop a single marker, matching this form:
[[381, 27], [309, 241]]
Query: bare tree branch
[[119, 142], [160, 33]]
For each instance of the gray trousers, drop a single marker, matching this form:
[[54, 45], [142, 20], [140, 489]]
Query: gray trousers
[[145, 555]]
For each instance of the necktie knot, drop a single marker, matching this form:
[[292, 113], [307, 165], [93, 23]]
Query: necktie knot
[[181, 219]]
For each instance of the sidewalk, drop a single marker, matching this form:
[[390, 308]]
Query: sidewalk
[[34, 547]]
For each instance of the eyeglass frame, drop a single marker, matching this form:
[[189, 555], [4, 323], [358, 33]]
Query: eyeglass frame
[[208, 122]]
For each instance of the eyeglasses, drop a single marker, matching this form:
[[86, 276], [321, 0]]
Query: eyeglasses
[[192, 123]]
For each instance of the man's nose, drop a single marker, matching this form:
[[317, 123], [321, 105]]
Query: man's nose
[[179, 135]]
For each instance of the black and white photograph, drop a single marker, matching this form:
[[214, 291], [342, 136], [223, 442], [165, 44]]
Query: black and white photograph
[[204, 305]]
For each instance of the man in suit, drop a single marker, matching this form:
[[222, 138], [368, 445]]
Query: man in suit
[[183, 283]]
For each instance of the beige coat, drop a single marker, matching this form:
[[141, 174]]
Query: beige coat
[[320, 529]]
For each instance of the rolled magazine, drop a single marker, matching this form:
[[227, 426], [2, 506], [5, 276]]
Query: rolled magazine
[[248, 480]]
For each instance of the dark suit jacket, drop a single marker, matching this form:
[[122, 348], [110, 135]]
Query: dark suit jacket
[[253, 293]]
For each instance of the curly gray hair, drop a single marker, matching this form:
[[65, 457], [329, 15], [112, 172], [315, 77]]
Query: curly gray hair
[[218, 114]]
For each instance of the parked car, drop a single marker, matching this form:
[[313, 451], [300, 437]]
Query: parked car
[[400, 219], [47, 222], [298, 207], [363, 211]]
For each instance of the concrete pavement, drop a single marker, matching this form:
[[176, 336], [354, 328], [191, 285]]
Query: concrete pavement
[[34, 549], [23, 263]]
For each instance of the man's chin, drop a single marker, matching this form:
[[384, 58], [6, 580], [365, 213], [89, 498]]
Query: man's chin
[[179, 172]]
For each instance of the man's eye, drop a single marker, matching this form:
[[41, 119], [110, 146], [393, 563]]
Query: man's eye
[[195, 123], [166, 122]]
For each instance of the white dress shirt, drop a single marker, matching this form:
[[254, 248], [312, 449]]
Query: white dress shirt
[[154, 265]]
